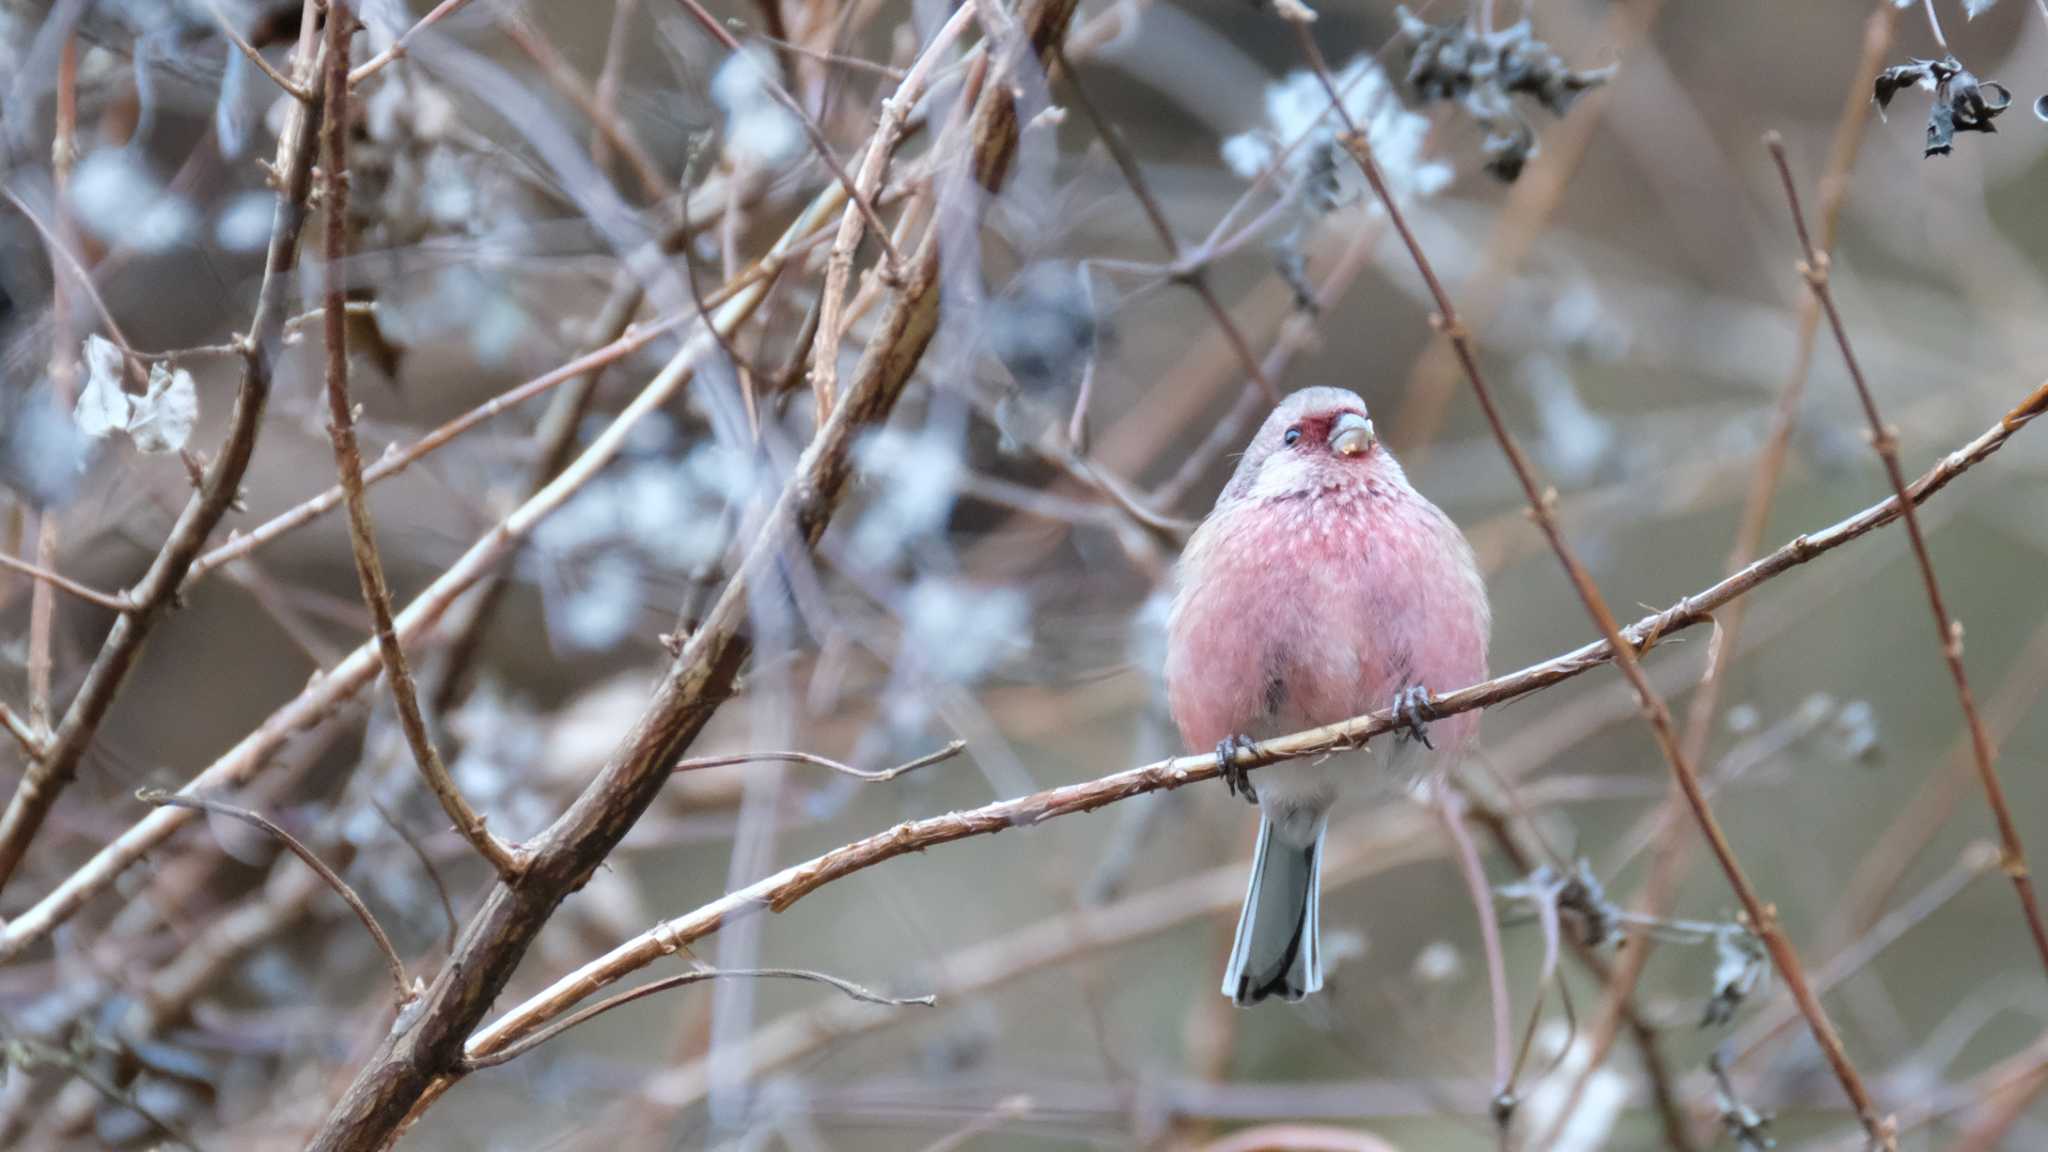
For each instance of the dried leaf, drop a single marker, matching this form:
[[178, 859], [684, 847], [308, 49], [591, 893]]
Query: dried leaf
[[102, 406], [1892, 79], [1739, 969], [1483, 72], [1962, 102], [162, 419]]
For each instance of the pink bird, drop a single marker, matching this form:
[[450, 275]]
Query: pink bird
[[1321, 587]]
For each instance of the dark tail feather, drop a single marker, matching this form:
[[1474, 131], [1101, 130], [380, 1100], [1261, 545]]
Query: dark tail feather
[[1278, 950]]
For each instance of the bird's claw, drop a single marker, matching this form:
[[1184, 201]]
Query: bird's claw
[[1413, 710], [1234, 776]]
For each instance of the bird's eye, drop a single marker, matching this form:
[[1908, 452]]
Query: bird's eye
[[1293, 434]]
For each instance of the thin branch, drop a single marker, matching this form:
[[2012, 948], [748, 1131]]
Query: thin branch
[[157, 797], [341, 428], [780, 891], [24, 734], [64, 583], [427, 865], [1450, 811], [360, 667], [1668, 866], [1977, 859], [42, 607], [375, 63], [1195, 277], [26, 1052], [414, 1064], [610, 128], [626, 339], [227, 29], [1934, 24], [819, 144], [874, 166], [697, 976], [1814, 268], [220, 489], [874, 777], [1762, 916], [392, 463]]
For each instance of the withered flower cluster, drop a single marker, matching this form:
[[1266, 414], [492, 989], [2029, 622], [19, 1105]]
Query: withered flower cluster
[[1962, 103], [1485, 72]]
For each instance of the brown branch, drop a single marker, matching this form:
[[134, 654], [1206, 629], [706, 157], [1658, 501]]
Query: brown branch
[[1814, 268], [64, 583], [42, 609], [153, 595], [874, 777], [409, 1064], [819, 144], [393, 463], [360, 667], [783, 889], [1193, 275], [375, 63], [1668, 866], [348, 459], [1451, 812], [235, 37], [873, 166], [23, 732], [565, 80], [536, 1039], [419, 852], [157, 797], [1762, 917]]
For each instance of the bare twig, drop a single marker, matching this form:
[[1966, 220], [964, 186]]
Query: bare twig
[[1763, 919], [819, 144], [873, 167], [1450, 809], [235, 37], [220, 489], [64, 584], [359, 668], [157, 797], [608, 126], [370, 67], [783, 889], [411, 1065], [341, 428], [427, 865], [27, 1053], [1814, 268], [947, 753], [23, 732], [1668, 866], [1193, 276], [42, 610], [528, 1043]]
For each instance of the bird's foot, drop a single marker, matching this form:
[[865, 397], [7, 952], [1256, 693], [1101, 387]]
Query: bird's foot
[[1234, 776], [1413, 710]]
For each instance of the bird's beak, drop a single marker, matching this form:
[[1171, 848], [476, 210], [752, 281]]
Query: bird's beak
[[1352, 434]]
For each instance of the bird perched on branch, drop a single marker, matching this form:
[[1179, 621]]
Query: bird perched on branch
[[1321, 587]]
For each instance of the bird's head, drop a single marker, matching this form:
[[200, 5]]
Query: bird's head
[[1316, 439]]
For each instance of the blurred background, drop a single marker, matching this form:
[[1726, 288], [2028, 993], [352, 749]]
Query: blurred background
[[1000, 570]]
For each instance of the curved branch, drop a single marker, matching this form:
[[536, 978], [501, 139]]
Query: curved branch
[[162, 799], [218, 492], [528, 1043], [783, 889], [873, 777]]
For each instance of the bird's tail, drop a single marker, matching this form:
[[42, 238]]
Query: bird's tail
[[1278, 949]]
